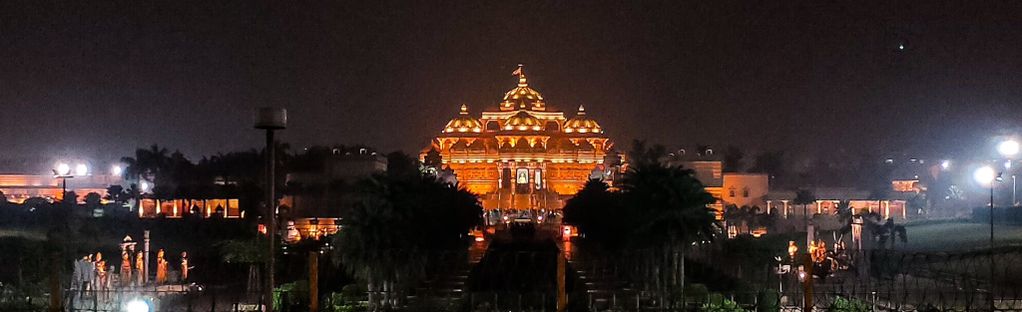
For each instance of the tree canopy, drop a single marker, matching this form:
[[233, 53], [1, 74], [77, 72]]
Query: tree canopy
[[656, 204]]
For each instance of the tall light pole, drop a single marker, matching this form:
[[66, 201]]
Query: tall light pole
[[1009, 149], [63, 172], [270, 119], [988, 176]]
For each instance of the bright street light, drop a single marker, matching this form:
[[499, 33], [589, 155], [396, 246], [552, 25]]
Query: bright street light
[[945, 164], [1008, 148], [63, 169], [985, 175], [144, 186], [81, 169], [116, 170], [137, 305]]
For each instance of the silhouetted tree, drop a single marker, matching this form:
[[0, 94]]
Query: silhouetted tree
[[804, 197], [398, 219], [733, 159], [661, 209], [771, 163]]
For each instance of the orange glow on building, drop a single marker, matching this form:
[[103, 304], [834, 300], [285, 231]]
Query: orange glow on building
[[176, 208], [524, 155], [19, 187]]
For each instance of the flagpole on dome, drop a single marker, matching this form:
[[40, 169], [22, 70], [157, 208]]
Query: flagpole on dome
[[520, 72]]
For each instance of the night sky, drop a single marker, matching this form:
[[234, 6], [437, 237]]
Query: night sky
[[97, 79]]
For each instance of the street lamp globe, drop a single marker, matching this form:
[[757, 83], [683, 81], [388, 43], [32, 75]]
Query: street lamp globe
[[116, 170], [137, 305], [1008, 148], [63, 169], [144, 186], [945, 164], [81, 169], [984, 175]]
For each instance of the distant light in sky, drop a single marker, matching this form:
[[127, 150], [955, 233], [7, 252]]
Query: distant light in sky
[[63, 169], [901, 46], [81, 169], [1008, 148], [945, 164], [984, 175]]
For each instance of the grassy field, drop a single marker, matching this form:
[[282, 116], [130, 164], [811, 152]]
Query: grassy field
[[956, 236]]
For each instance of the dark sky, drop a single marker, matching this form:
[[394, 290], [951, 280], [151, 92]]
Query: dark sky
[[97, 79]]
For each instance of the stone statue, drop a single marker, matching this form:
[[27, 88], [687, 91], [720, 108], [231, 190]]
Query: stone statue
[[101, 274], [139, 268], [184, 266], [125, 268], [161, 268]]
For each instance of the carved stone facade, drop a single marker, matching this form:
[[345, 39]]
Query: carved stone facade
[[522, 155]]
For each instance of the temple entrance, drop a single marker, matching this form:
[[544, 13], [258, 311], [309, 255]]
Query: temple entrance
[[522, 181]]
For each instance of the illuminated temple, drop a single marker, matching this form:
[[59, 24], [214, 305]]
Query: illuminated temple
[[521, 154]]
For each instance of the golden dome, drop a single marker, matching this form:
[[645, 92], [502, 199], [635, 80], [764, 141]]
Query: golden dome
[[522, 97], [463, 123], [523, 121], [582, 124]]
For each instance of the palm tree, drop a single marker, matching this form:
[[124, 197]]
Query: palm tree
[[146, 164], [247, 252], [397, 221], [804, 197], [668, 208], [589, 209]]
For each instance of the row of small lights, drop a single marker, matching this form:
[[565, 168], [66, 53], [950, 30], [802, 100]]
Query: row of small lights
[[63, 169], [81, 169]]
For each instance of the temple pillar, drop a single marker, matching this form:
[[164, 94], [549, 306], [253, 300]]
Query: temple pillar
[[785, 206]]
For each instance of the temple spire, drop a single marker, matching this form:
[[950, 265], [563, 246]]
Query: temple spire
[[520, 72], [464, 109], [581, 109]]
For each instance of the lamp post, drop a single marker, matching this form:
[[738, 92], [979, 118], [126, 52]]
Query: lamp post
[[270, 119], [63, 172], [1009, 149], [987, 175]]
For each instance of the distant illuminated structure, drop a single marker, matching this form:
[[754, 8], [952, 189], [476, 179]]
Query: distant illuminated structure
[[523, 155]]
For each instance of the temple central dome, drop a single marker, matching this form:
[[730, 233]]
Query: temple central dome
[[522, 96]]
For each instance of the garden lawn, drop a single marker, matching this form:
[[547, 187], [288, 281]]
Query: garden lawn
[[957, 237]]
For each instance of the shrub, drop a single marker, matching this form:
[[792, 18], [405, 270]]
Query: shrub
[[696, 293], [848, 305], [769, 301], [717, 303]]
